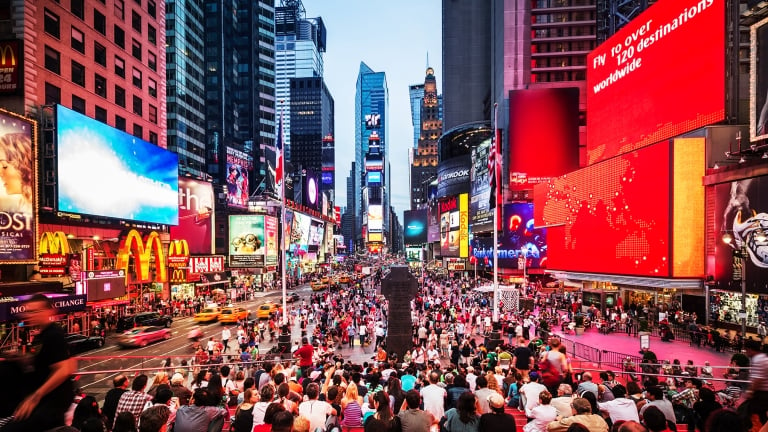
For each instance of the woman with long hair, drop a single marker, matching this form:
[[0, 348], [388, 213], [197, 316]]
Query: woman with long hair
[[352, 413], [383, 419], [463, 418], [16, 172], [86, 409], [396, 394], [244, 413]]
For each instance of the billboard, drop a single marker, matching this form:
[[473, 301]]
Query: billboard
[[288, 229], [104, 171], [741, 209], [449, 227], [519, 239], [195, 213], [239, 167], [548, 118], [433, 221], [453, 176], [246, 241], [18, 186], [374, 177], [480, 213], [327, 178], [375, 218], [613, 217], [412, 254], [11, 65], [270, 234], [415, 227], [104, 284], [270, 178], [311, 195], [636, 93], [373, 121], [316, 231], [758, 82]]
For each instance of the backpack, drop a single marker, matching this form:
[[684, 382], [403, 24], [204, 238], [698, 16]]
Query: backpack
[[550, 376]]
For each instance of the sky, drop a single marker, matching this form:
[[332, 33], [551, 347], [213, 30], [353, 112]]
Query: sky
[[394, 37]]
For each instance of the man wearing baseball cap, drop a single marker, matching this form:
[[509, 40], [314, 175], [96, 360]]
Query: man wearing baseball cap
[[497, 419], [582, 414]]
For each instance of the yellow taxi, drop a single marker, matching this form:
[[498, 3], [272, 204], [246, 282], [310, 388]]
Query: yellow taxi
[[266, 310], [318, 286], [208, 314], [232, 315], [345, 279], [325, 279]]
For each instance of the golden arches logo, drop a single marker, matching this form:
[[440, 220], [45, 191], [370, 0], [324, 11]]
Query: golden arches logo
[[178, 275], [178, 248], [6, 51], [54, 243], [142, 250]]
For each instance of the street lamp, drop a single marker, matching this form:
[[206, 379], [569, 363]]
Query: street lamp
[[740, 255]]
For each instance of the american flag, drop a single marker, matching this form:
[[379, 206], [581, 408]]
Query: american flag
[[279, 157]]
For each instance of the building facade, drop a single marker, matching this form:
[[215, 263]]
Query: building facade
[[424, 163]]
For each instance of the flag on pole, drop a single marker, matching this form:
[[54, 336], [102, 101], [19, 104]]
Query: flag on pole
[[279, 158]]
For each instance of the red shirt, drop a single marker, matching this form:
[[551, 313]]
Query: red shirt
[[304, 353]]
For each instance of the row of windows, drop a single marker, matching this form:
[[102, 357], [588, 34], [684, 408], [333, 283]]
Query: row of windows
[[563, 17], [558, 76], [559, 32], [564, 46], [542, 4], [559, 62]]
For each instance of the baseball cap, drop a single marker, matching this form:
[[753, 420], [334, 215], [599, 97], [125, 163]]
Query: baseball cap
[[534, 376], [496, 401]]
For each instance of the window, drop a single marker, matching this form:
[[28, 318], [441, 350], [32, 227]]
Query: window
[[99, 22], [136, 49], [153, 137], [152, 9], [138, 106], [78, 40], [119, 67], [152, 86], [100, 114], [120, 96], [100, 54], [137, 78], [138, 131], [78, 8], [152, 61], [119, 37], [152, 112], [52, 60], [78, 104], [100, 85], [51, 24], [136, 21], [152, 35], [78, 74], [119, 122], [52, 94], [120, 9]]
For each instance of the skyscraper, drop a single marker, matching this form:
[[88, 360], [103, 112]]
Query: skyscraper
[[424, 167], [349, 218], [299, 44], [371, 113], [416, 94]]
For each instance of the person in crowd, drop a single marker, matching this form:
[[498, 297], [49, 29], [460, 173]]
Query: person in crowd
[[656, 398], [530, 393], [482, 393], [523, 358], [412, 417], [154, 419], [654, 420], [135, 400], [497, 419], [620, 408], [161, 378], [124, 422], [757, 393], [562, 403], [541, 415], [109, 408], [434, 396], [586, 385], [244, 413], [463, 418], [87, 408], [201, 414], [315, 410], [179, 389], [383, 419], [581, 414]]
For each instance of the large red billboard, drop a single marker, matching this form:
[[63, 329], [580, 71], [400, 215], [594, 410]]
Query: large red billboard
[[195, 212], [661, 75], [611, 217]]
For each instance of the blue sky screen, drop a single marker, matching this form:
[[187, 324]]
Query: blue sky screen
[[106, 172]]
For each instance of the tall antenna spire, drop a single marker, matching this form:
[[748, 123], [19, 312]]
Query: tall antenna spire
[[427, 59]]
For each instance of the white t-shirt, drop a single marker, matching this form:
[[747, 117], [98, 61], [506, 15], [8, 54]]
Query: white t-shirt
[[316, 412], [620, 409], [434, 400]]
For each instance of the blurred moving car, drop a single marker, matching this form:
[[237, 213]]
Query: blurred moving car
[[143, 336], [318, 286], [292, 297], [345, 279], [143, 319], [266, 310], [79, 343], [209, 314], [232, 315]]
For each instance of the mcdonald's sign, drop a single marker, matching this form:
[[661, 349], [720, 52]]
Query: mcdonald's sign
[[142, 250], [178, 275], [178, 254], [54, 243], [10, 66]]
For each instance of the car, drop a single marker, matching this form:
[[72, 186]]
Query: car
[[266, 310], [208, 314], [292, 297], [232, 315], [143, 319], [325, 279], [345, 279], [318, 286], [79, 343], [143, 336]]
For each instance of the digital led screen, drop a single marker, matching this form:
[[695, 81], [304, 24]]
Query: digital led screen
[[304, 226], [239, 167], [327, 177], [375, 237], [637, 90], [412, 254], [758, 83], [450, 236], [373, 121], [104, 284], [106, 172], [549, 119], [375, 218], [453, 176], [195, 215], [316, 230], [270, 177], [247, 246], [415, 227], [18, 188], [288, 229], [270, 233], [611, 217], [519, 238], [433, 221], [311, 190], [741, 210], [374, 177], [480, 213]]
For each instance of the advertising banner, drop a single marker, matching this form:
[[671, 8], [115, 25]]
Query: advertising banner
[[520, 239], [14, 310], [195, 212], [415, 227], [18, 188], [11, 64], [453, 176], [449, 227], [480, 213], [246, 241], [104, 284], [375, 218], [288, 229], [206, 264], [270, 179], [311, 195], [104, 171], [270, 232], [632, 98], [742, 211], [463, 225], [433, 222], [412, 254], [239, 167]]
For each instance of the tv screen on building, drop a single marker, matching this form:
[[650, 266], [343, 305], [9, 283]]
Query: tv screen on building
[[480, 213], [247, 243], [415, 227], [239, 167], [520, 239], [103, 171], [640, 88], [18, 197], [758, 90], [375, 218], [195, 215]]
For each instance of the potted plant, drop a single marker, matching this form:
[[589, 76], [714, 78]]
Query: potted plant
[[579, 320]]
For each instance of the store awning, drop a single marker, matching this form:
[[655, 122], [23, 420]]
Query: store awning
[[692, 284]]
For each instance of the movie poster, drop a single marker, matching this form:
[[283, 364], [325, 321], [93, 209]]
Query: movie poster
[[239, 166], [18, 175], [247, 245], [270, 233]]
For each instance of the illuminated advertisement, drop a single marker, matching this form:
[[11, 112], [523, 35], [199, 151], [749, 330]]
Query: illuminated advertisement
[[11, 64], [464, 225], [373, 121], [611, 217], [548, 118], [195, 213], [104, 284], [758, 83], [375, 218], [637, 93], [239, 165], [412, 254], [103, 171], [288, 229], [374, 177], [449, 227], [453, 176], [374, 237], [480, 213], [18, 186], [311, 193], [519, 238], [246, 241], [415, 227], [270, 178], [270, 233], [433, 222], [300, 235], [316, 231], [741, 210], [327, 177]]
